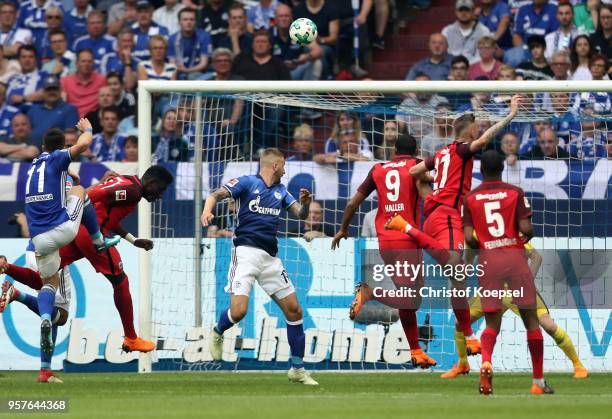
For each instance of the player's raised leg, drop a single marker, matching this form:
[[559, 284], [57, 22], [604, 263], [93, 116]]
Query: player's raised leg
[[21, 274]]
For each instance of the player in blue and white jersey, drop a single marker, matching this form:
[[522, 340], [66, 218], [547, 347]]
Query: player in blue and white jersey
[[54, 216], [259, 202]]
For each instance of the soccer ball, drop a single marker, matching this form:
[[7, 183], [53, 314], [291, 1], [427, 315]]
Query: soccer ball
[[303, 31]]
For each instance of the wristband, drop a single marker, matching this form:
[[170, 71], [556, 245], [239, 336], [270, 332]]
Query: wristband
[[89, 130], [129, 237]]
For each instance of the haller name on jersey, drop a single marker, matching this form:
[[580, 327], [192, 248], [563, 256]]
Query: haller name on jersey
[[394, 207]]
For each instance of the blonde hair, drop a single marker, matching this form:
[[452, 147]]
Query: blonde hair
[[303, 131], [158, 38], [269, 156], [507, 67], [487, 40]]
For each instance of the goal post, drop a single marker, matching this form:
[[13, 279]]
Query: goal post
[[180, 287]]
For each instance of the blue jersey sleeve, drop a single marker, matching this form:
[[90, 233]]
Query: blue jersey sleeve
[[62, 159], [288, 200], [237, 186]]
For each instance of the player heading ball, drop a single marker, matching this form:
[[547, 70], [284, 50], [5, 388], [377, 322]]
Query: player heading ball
[[259, 201]]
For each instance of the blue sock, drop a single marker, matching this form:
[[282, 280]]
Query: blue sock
[[225, 322], [297, 342], [45, 360], [29, 301], [46, 301], [90, 221]]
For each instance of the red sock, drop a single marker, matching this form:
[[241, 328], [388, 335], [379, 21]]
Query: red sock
[[487, 343], [462, 314], [25, 275], [123, 302], [535, 341], [433, 247], [411, 329]]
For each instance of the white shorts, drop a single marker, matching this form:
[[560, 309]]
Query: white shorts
[[47, 244], [250, 265], [64, 292]]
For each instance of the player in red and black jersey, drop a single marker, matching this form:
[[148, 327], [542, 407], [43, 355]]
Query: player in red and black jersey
[[398, 193], [114, 200], [452, 179], [500, 216]]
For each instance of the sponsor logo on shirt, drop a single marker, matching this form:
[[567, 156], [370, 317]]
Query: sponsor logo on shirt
[[254, 207], [39, 198], [491, 196]]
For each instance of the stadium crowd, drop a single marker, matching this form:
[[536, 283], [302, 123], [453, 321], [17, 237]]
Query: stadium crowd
[[61, 60]]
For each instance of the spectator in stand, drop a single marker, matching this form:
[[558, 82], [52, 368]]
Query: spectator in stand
[[463, 34], [537, 68], [157, 67], [349, 150], [75, 21], [602, 38], [387, 149], [458, 72], [190, 48], [169, 145], [580, 56], [324, 14], [488, 66], [560, 64], [598, 102], [586, 15], [532, 18], [130, 149], [530, 134], [168, 15], [510, 148], [590, 142], [53, 112], [215, 20], [437, 65], [26, 88], [8, 68], [105, 100], [303, 138], [506, 73], [442, 133], [11, 35], [345, 122], [547, 147], [108, 145], [122, 61], [7, 112], [124, 101], [314, 226], [20, 146], [121, 15], [81, 88], [480, 102], [55, 22], [144, 29], [495, 15], [303, 62], [261, 15], [562, 38], [96, 40], [32, 16], [418, 126], [238, 38], [381, 18], [64, 60], [564, 122], [260, 64]]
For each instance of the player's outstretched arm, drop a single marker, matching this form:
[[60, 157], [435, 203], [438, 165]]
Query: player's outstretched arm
[[210, 203], [84, 141], [302, 208], [140, 243], [492, 132], [351, 209], [419, 171]]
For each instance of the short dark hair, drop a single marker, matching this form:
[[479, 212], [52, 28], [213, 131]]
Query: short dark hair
[[112, 109], [82, 50], [460, 59], [186, 10], [26, 48], [262, 32], [491, 163], [158, 173], [405, 144], [131, 139], [463, 122], [236, 6], [57, 32], [114, 75], [53, 139]]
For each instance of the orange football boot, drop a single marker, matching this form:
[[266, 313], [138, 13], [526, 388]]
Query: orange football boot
[[457, 369], [537, 390], [486, 379], [363, 293], [47, 376], [581, 372], [137, 345], [421, 359], [473, 346]]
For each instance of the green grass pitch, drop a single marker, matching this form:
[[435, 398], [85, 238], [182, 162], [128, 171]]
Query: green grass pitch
[[340, 395]]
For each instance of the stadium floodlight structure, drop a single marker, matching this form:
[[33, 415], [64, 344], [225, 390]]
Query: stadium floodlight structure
[[180, 280]]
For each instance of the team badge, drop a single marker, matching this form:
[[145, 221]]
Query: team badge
[[232, 183], [121, 195], [277, 195]]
